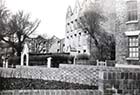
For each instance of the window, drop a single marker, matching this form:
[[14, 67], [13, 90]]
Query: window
[[76, 20], [84, 51], [58, 50], [132, 10], [44, 50], [133, 47], [63, 45], [78, 51], [58, 41]]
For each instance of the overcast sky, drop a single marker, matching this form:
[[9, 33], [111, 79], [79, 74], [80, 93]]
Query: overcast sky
[[52, 13]]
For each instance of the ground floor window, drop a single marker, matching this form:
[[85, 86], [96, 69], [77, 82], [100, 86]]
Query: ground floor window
[[133, 47]]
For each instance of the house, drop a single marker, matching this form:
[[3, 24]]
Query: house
[[128, 32], [57, 45], [38, 44]]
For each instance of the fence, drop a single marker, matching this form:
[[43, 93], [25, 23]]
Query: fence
[[50, 92]]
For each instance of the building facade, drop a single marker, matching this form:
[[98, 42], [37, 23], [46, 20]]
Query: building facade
[[123, 20], [128, 31], [38, 44], [77, 40], [57, 45], [75, 36]]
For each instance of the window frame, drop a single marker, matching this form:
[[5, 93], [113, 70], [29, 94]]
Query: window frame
[[133, 47], [132, 10]]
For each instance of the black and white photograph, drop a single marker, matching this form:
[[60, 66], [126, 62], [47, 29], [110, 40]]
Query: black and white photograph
[[69, 47]]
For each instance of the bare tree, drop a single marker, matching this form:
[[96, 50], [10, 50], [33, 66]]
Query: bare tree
[[104, 42], [16, 28]]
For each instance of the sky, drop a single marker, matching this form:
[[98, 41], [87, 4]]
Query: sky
[[52, 14]]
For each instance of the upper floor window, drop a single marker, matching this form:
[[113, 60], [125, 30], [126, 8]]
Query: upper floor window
[[58, 50], [133, 47], [85, 32], [132, 10], [84, 51], [78, 51]]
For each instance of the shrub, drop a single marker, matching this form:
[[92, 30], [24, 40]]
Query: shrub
[[82, 57], [23, 83]]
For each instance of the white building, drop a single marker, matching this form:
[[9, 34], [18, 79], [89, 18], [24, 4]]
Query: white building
[[76, 39]]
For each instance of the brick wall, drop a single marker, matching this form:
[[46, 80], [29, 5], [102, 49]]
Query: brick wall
[[50, 92], [82, 74], [72, 74]]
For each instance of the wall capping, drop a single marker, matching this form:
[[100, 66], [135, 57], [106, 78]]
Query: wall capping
[[132, 33]]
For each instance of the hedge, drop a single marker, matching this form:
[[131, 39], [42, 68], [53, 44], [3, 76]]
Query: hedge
[[21, 83]]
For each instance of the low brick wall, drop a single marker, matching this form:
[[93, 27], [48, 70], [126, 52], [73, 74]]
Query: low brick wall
[[81, 75], [50, 92]]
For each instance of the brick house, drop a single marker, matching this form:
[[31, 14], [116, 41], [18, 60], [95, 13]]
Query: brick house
[[127, 31]]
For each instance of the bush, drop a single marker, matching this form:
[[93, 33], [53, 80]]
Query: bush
[[23, 83], [14, 60], [82, 57], [35, 60]]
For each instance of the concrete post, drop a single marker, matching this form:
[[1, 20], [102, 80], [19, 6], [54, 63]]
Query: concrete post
[[74, 60], [27, 60], [21, 60], [3, 64], [49, 62], [6, 63]]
